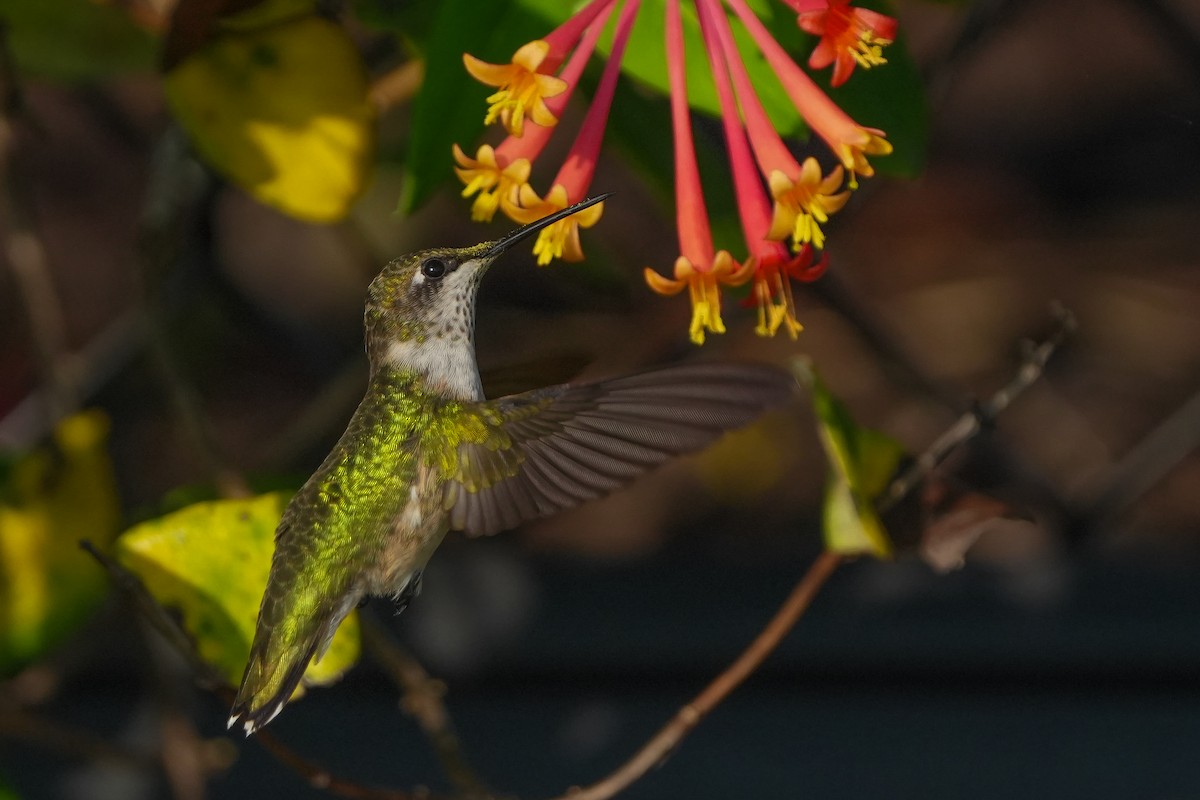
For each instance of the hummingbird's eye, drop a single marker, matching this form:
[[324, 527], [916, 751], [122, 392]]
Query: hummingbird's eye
[[433, 268]]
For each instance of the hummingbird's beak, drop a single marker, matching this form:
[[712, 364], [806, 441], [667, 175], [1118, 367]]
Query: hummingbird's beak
[[525, 231]]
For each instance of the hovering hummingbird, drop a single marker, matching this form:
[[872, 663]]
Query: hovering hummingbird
[[425, 452]]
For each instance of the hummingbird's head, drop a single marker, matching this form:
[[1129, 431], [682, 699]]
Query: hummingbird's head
[[421, 308]]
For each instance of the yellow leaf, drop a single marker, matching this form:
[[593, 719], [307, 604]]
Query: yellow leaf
[[744, 465], [53, 498], [281, 111], [862, 462], [210, 562]]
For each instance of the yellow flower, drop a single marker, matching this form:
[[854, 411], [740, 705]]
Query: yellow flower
[[522, 88], [801, 205], [498, 186], [561, 239], [703, 288]]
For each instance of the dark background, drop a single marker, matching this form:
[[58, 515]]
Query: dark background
[[1064, 164]]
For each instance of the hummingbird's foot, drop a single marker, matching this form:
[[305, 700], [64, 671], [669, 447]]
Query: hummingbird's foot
[[408, 593]]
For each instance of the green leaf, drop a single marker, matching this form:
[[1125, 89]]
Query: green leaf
[[210, 562], [862, 462], [7, 792], [281, 111], [51, 499], [75, 40]]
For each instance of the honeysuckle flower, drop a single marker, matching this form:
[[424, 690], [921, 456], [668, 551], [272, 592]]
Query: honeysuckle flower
[[803, 198], [697, 268], [561, 240], [528, 80], [523, 88], [801, 205], [498, 175], [850, 36], [770, 263], [848, 140], [703, 287], [496, 181]]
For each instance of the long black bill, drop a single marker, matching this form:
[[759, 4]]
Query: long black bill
[[528, 230]]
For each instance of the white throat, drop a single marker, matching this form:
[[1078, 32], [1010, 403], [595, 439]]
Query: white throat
[[447, 363]]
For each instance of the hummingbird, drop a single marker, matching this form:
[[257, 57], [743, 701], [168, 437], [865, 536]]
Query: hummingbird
[[425, 453]]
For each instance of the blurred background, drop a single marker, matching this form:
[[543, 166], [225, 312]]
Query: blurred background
[[1063, 165]]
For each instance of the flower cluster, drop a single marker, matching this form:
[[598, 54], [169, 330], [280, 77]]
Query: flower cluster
[[534, 88]]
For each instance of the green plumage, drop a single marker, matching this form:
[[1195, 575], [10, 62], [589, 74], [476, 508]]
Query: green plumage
[[425, 452]]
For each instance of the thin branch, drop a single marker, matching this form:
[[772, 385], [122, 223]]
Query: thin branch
[[397, 86], [687, 718], [970, 423], [1146, 464], [174, 184], [133, 588], [24, 250], [28, 728], [320, 778], [423, 701]]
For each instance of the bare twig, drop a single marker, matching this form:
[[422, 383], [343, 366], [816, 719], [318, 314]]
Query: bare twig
[[173, 187], [397, 86], [25, 252], [423, 700], [970, 423], [321, 778], [32, 729], [1146, 464], [87, 369], [689, 716], [668, 738], [156, 615]]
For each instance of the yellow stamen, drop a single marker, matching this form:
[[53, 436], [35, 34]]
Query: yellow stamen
[[804, 204], [497, 187], [522, 89]]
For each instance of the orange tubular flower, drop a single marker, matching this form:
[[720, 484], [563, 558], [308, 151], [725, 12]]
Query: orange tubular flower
[[529, 80], [849, 36], [497, 179], [803, 204], [770, 262], [803, 199], [523, 88], [850, 142], [499, 175], [561, 240], [697, 268]]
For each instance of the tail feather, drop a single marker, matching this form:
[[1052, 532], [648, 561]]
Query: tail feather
[[267, 686], [277, 664]]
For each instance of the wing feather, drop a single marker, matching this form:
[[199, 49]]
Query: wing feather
[[551, 449]]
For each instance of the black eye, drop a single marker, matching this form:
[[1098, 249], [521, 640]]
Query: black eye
[[433, 268]]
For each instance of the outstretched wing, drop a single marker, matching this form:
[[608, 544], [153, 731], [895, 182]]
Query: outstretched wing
[[551, 449]]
